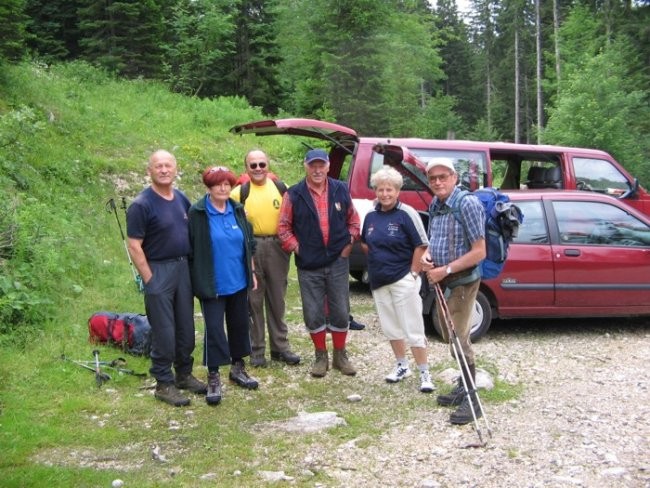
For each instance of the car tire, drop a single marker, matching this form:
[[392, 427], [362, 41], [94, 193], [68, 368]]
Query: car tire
[[481, 318]]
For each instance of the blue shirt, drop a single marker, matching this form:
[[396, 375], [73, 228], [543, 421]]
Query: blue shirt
[[227, 250], [447, 240], [392, 237]]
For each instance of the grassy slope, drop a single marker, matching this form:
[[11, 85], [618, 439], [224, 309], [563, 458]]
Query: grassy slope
[[95, 135]]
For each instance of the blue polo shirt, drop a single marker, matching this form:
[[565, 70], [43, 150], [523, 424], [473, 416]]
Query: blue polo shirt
[[227, 250], [392, 238]]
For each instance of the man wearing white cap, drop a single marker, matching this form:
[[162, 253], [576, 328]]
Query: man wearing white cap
[[456, 246], [319, 224]]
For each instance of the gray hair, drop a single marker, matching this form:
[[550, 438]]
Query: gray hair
[[386, 174]]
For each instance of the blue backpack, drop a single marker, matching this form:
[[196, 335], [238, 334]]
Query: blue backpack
[[502, 219]]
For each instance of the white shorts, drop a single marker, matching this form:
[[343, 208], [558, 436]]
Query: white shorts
[[399, 308]]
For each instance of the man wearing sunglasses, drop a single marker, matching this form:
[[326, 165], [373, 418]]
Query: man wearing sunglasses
[[261, 196]]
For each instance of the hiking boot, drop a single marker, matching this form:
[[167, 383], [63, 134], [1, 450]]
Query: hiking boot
[[190, 383], [463, 414], [398, 374], [341, 362], [168, 393], [213, 396], [239, 376], [286, 357], [258, 361], [321, 363], [354, 325], [426, 385], [454, 397]]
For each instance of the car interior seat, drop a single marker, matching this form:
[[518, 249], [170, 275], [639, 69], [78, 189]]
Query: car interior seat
[[553, 177], [536, 177]]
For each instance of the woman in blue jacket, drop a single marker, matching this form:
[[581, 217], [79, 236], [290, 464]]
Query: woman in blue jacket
[[221, 267]]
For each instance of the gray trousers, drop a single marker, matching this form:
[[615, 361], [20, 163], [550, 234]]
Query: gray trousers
[[271, 270], [331, 286], [169, 304]]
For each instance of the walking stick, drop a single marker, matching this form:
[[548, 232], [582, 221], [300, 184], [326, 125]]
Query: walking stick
[[111, 207], [463, 366]]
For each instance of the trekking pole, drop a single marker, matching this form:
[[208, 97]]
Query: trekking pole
[[111, 207], [100, 377], [104, 377], [463, 366]]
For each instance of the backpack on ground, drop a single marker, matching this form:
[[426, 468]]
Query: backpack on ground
[[502, 219], [109, 328]]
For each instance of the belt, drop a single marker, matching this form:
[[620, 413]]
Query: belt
[[170, 260], [266, 237]]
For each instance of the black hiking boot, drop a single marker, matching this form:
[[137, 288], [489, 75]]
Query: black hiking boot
[[239, 376], [454, 397], [213, 396], [463, 414]]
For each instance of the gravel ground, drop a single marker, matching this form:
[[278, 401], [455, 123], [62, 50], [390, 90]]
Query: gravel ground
[[581, 419]]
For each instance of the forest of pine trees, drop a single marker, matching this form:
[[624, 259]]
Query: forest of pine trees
[[571, 72]]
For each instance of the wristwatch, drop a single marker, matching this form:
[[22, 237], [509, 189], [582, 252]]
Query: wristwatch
[[448, 269]]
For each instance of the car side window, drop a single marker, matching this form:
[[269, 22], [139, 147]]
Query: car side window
[[533, 229], [597, 223], [599, 175]]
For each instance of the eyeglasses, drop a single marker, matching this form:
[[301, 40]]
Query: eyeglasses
[[440, 178], [215, 169], [255, 165]]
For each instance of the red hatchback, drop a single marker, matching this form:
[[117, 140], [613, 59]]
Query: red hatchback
[[578, 254]]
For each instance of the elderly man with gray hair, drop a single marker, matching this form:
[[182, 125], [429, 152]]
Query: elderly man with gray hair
[[455, 249]]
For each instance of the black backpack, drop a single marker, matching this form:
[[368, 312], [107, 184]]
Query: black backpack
[[246, 189]]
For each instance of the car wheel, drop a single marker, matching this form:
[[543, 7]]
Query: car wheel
[[480, 320]]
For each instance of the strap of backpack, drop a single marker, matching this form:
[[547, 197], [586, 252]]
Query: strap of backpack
[[245, 189]]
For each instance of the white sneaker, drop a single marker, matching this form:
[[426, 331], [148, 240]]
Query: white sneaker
[[398, 374], [426, 385]]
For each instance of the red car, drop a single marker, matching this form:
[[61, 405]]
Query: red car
[[578, 254]]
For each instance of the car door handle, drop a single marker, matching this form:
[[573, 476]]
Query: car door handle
[[572, 252]]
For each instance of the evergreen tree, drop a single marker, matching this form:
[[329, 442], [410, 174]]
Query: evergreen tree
[[122, 36], [199, 44], [12, 30], [53, 29], [253, 68]]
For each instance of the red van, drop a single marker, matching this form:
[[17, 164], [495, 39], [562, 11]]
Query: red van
[[504, 165]]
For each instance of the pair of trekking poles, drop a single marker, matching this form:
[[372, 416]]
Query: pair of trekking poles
[[461, 360], [95, 365]]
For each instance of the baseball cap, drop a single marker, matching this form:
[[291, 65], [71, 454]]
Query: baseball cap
[[316, 155], [444, 162]]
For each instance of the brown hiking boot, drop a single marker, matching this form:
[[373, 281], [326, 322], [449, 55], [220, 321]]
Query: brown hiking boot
[[168, 393], [190, 383], [341, 362], [321, 363]]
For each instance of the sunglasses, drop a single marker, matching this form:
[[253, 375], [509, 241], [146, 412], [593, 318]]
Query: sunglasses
[[215, 169], [255, 165], [440, 178]]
